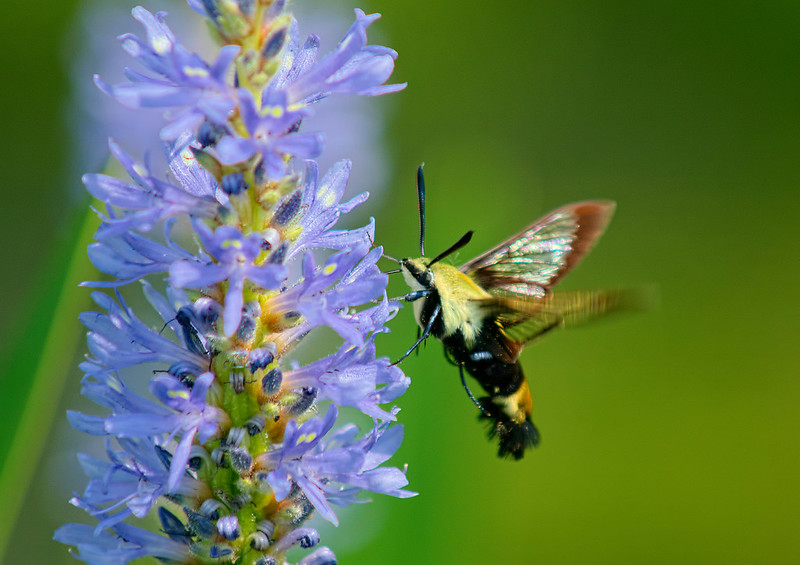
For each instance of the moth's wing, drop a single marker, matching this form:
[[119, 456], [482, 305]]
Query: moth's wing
[[524, 320], [532, 261]]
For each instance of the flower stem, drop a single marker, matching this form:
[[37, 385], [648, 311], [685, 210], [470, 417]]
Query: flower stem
[[48, 377]]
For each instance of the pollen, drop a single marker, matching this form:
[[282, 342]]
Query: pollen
[[329, 269]]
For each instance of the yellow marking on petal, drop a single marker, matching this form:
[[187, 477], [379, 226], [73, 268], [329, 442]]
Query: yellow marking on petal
[[179, 394], [232, 243], [295, 107], [274, 111], [293, 232], [329, 269], [195, 72], [161, 45], [327, 197], [306, 438]]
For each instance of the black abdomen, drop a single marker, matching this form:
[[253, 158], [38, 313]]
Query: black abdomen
[[494, 365], [488, 360]]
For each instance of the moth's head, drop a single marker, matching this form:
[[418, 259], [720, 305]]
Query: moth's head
[[416, 273]]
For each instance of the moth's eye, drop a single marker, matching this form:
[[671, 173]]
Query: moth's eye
[[425, 278]]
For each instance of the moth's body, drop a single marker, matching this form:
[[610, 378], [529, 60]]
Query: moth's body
[[473, 337]]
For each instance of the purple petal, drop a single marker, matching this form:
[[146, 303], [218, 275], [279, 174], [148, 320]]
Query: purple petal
[[233, 306], [232, 150], [180, 458], [184, 274]]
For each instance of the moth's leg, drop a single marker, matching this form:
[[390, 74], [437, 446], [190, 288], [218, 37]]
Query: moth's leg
[[412, 296], [426, 332], [469, 392]]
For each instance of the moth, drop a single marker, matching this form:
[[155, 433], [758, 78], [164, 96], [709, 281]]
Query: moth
[[489, 308]]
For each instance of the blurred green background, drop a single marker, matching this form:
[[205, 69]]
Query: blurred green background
[[669, 436]]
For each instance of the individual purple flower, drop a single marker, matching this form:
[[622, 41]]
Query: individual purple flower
[[130, 483], [352, 68], [353, 377], [122, 545], [348, 278], [130, 256], [320, 469], [188, 415], [271, 127], [149, 200], [377, 446], [235, 256], [119, 339], [322, 197], [182, 79]]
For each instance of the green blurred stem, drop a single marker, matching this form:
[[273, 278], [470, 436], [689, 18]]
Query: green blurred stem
[[50, 345]]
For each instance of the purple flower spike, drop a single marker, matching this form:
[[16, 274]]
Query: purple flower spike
[[228, 447]]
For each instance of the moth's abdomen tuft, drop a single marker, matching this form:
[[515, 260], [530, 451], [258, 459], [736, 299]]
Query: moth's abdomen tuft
[[514, 437]]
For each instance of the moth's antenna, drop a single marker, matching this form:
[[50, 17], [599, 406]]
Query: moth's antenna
[[453, 248], [421, 208]]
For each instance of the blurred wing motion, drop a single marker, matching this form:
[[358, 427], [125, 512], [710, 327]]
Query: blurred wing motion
[[524, 320]]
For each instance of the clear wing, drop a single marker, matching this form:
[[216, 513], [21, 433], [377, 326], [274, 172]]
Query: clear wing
[[532, 261]]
